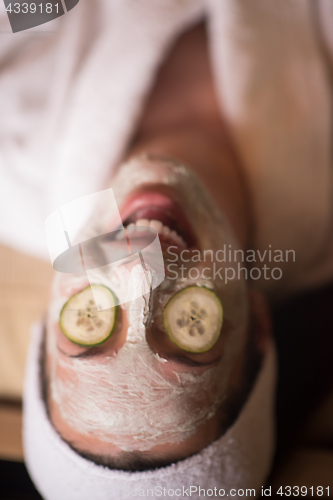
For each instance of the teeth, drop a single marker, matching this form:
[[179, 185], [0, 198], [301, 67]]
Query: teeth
[[142, 222], [174, 236], [157, 225], [154, 224], [177, 238]]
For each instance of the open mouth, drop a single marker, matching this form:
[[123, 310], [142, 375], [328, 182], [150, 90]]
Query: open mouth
[[159, 211]]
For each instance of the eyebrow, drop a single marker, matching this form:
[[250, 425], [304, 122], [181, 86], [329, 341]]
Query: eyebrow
[[91, 351], [180, 358]]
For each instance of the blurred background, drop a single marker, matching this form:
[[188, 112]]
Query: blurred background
[[302, 324]]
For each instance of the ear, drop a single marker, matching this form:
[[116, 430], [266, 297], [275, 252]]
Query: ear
[[261, 319]]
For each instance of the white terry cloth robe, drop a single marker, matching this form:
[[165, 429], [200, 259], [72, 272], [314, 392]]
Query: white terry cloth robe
[[70, 99]]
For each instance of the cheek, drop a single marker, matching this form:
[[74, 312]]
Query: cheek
[[60, 376], [197, 389], [65, 374], [197, 399]]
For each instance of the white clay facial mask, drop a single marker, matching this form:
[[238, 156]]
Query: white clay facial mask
[[102, 396], [133, 397]]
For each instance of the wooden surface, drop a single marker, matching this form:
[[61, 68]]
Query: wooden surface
[[11, 432], [24, 285]]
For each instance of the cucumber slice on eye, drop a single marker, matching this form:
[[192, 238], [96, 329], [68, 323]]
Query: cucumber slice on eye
[[193, 319], [80, 320]]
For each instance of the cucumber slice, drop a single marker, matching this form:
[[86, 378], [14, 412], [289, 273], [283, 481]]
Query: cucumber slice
[[193, 319], [80, 320]]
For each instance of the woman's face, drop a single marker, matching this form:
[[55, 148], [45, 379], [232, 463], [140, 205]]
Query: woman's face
[[139, 391]]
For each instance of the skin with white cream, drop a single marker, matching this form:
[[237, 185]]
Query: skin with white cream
[[132, 395]]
